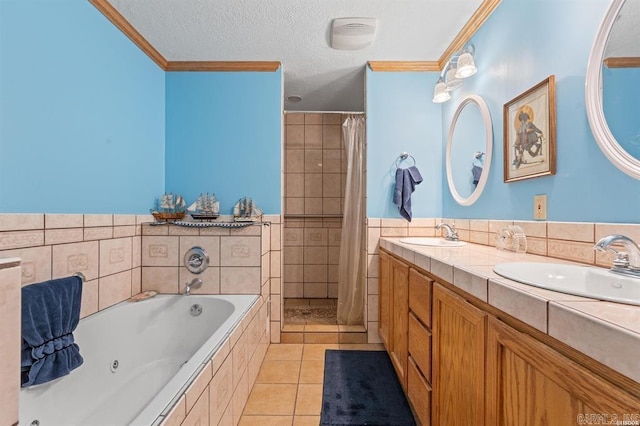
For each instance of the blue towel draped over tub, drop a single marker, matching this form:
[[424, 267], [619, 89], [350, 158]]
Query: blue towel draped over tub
[[50, 313], [406, 181]]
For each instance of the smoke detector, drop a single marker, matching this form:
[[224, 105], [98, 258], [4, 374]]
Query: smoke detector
[[352, 33]]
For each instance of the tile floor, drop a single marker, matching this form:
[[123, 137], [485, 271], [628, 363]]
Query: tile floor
[[288, 390]]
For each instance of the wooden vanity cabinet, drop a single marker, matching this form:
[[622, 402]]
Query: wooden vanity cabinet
[[459, 333], [393, 320], [529, 383]]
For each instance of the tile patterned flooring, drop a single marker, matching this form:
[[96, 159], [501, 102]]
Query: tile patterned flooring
[[288, 390]]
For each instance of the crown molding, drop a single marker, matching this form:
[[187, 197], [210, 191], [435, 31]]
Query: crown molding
[[404, 66], [622, 62], [477, 19], [261, 66], [125, 26]]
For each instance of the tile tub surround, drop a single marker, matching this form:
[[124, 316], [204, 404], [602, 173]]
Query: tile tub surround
[[585, 324], [219, 392], [10, 331]]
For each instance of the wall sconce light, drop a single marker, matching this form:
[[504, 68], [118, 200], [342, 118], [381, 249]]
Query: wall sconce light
[[460, 66]]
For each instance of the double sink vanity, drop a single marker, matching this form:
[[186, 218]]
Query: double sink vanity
[[472, 347]]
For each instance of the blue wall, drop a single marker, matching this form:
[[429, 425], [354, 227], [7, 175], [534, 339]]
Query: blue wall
[[521, 44], [224, 135], [402, 118], [81, 112]]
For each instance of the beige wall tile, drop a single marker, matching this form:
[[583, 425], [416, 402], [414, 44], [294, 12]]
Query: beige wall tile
[[334, 255], [276, 237], [315, 237], [372, 333], [240, 397], [198, 386], [148, 230], [572, 231], [313, 162], [313, 206], [276, 264], [313, 136], [315, 255], [479, 225], [293, 273], [21, 222], [124, 231], [536, 246], [331, 118], [10, 313], [294, 205], [331, 185], [372, 307], [533, 229], [265, 270], [176, 416], [421, 232], [36, 263], [372, 285], [136, 251], [334, 236], [221, 390], [630, 230], [239, 359], [393, 232], [294, 136], [144, 218], [276, 286], [312, 185], [240, 280], [292, 289], [293, 255], [497, 225], [91, 220], [373, 265], [62, 236], [294, 161], [160, 251], [182, 231], [294, 185], [199, 414], [136, 281], [160, 279], [265, 238], [479, 237], [91, 234], [332, 271], [580, 252], [313, 118], [331, 205], [315, 273], [115, 256], [78, 257], [124, 219], [210, 232], [418, 222], [374, 222], [294, 118], [52, 221], [114, 289], [210, 280], [240, 251], [331, 137], [331, 161], [90, 296]]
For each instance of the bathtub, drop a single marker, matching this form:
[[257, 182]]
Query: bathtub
[[138, 359]]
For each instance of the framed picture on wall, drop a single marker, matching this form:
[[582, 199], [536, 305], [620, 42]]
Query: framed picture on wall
[[530, 133]]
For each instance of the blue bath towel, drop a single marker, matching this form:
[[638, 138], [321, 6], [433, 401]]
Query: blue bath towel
[[406, 181], [50, 313]]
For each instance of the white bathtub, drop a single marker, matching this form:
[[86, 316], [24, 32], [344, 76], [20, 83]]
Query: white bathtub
[[159, 348]]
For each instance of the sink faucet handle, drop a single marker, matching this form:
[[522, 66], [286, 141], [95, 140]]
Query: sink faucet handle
[[449, 231], [621, 260]]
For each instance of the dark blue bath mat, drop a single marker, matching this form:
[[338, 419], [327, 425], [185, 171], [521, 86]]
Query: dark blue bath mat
[[361, 388]]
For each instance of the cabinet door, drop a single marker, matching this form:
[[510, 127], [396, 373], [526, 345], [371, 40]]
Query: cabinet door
[[400, 319], [459, 331], [384, 300], [530, 384]]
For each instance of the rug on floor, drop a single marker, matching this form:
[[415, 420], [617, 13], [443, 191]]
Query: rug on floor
[[361, 388]]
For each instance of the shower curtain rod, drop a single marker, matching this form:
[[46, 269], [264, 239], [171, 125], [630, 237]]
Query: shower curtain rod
[[327, 112]]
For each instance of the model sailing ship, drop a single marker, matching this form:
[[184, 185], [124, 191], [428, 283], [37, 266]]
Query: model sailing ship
[[169, 207], [245, 210], [205, 207]]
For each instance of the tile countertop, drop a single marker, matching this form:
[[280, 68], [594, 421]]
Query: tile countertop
[[9, 262], [607, 332]]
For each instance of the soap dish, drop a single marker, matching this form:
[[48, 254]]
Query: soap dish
[[144, 295], [512, 238]]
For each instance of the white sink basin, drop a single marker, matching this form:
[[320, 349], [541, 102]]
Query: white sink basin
[[434, 242], [595, 283]]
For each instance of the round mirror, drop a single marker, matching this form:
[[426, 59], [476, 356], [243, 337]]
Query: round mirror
[[613, 65], [469, 147]]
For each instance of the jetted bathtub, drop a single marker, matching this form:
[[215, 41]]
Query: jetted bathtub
[[138, 358]]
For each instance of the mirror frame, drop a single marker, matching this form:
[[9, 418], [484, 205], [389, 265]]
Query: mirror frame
[[486, 119], [608, 144]]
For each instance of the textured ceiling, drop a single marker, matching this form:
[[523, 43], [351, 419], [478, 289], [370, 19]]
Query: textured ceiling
[[296, 33]]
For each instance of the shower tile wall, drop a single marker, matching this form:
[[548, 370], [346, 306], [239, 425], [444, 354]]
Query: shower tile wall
[[315, 179]]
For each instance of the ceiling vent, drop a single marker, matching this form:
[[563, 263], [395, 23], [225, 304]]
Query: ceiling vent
[[352, 33]]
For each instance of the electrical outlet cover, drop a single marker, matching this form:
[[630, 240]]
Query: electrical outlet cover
[[540, 207]]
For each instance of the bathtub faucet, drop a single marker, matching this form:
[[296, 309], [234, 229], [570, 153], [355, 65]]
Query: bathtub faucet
[[195, 283]]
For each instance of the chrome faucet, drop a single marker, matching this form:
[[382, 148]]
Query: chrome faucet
[[626, 262], [195, 283], [450, 233]]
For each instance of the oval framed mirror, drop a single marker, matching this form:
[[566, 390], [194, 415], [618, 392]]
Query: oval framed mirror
[[469, 150], [608, 42]]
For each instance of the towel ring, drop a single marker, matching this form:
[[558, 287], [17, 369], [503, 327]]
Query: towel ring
[[402, 157], [81, 276]]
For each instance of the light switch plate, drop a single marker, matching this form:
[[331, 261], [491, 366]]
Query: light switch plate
[[540, 207]]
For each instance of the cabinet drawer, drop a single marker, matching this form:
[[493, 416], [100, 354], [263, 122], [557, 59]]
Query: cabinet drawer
[[420, 296], [420, 345], [419, 393]]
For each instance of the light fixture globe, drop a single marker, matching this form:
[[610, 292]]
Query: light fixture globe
[[466, 65], [451, 80], [440, 93]]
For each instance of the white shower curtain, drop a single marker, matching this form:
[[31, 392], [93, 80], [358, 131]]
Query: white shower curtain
[[351, 288]]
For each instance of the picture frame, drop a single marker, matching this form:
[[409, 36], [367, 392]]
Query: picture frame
[[530, 133]]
